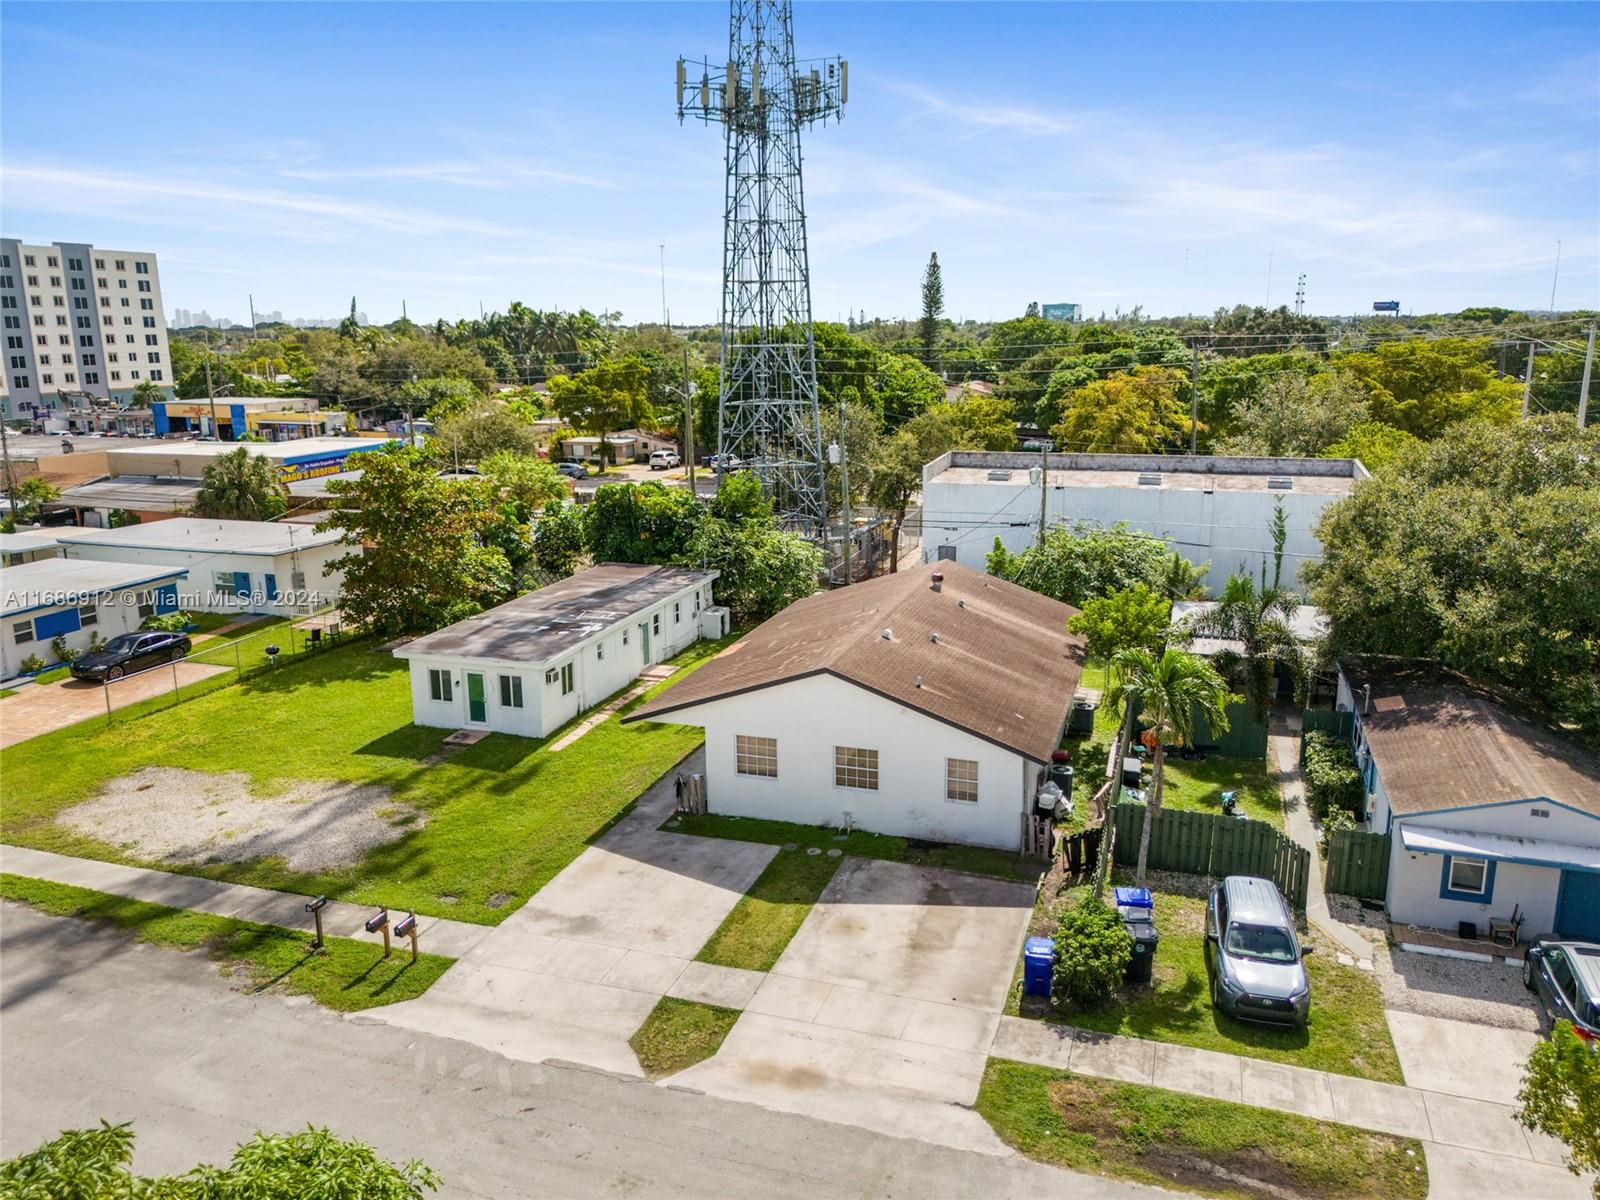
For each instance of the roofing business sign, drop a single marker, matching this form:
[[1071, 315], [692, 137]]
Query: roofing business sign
[[1386, 306], [318, 466]]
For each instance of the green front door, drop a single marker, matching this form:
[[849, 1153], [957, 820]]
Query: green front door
[[477, 704], [644, 641]]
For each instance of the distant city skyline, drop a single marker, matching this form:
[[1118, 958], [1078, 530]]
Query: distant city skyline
[[184, 318], [1177, 158]]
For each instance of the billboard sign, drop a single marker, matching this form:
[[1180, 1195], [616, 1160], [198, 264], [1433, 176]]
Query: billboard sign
[[1386, 306], [1062, 312]]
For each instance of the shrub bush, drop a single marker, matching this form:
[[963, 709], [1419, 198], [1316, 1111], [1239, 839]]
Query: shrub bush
[[1333, 782], [33, 663], [62, 651], [1092, 952], [172, 622], [1336, 820]]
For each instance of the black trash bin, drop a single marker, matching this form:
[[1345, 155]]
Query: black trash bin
[[1142, 928]]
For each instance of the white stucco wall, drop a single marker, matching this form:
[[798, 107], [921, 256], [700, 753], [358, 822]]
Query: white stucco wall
[[810, 716], [201, 591], [113, 616]]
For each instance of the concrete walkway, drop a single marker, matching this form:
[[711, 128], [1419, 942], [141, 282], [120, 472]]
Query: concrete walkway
[[436, 935], [1464, 1135], [1283, 749], [648, 678]]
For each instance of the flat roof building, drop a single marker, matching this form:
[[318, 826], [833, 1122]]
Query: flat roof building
[[303, 458], [77, 601], [1209, 508]]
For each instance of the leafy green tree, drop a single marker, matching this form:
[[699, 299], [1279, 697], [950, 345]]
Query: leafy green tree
[[483, 428], [558, 540], [422, 547], [145, 393], [613, 395], [524, 484], [897, 475], [932, 309], [1374, 443], [862, 447], [28, 497], [979, 422], [1135, 617], [740, 498], [763, 569], [1560, 1097], [437, 399], [1423, 386], [643, 522], [1079, 562], [95, 1164], [1296, 416], [1181, 579], [1166, 693], [1134, 413], [1481, 551], [240, 486], [1231, 385], [1258, 618], [903, 388]]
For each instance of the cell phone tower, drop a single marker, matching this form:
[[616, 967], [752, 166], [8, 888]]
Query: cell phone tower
[[767, 413]]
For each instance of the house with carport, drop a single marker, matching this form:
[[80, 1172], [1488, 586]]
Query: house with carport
[[530, 665], [923, 704], [1490, 814]]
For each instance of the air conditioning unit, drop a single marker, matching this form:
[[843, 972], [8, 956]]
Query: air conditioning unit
[[715, 621]]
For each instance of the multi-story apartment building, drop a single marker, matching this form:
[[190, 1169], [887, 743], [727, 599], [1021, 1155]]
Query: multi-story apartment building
[[82, 327]]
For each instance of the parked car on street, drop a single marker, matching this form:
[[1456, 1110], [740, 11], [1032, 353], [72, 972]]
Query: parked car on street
[[661, 460], [573, 470], [130, 652], [723, 462], [1256, 963], [1565, 976]]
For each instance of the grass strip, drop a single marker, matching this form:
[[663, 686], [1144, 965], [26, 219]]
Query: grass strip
[[349, 976], [680, 1033], [755, 932], [1203, 1146]]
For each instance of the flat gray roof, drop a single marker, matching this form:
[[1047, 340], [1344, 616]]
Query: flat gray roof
[[195, 533], [1173, 472], [22, 542], [1306, 622], [277, 451], [129, 491], [54, 582], [545, 624]]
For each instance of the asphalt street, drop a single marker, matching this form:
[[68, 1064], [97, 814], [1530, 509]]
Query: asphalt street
[[93, 1025]]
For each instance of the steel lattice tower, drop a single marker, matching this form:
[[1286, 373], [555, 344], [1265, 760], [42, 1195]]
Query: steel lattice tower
[[767, 404]]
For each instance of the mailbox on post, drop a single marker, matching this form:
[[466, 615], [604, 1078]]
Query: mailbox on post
[[315, 907], [378, 921], [407, 927]]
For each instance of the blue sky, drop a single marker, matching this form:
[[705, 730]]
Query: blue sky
[[1111, 155]]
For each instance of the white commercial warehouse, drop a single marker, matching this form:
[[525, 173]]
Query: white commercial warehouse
[[532, 664], [921, 704], [233, 566], [1207, 508], [76, 601]]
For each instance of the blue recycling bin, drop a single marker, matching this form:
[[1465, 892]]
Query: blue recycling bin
[[1133, 897], [1038, 966]]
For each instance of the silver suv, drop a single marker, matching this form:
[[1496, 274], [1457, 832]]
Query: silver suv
[[1255, 961]]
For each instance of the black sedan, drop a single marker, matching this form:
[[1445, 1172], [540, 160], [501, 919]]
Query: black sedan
[[130, 652]]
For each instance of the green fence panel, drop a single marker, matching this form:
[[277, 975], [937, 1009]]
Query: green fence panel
[[1198, 843], [1312, 719], [1246, 736], [1358, 864]]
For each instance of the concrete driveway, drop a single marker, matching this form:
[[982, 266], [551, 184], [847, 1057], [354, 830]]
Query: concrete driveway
[[573, 974], [39, 709], [1476, 1062], [881, 1011]]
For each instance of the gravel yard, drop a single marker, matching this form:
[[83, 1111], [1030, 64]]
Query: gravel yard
[[165, 813]]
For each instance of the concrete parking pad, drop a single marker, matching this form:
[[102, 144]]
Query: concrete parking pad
[[1479, 1062], [37, 708]]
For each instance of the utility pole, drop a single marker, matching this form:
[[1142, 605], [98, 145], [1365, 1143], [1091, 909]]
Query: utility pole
[[411, 429], [666, 315], [1527, 384], [1044, 486], [1194, 394], [210, 395], [844, 484], [1588, 370], [688, 421], [252, 316], [5, 452]]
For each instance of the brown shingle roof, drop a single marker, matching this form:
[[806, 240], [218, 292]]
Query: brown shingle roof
[[1003, 667], [1443, 744]]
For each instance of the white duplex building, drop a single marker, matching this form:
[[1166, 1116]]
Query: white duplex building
[[76, 600], [530, 665], [922, 704], [232, 566], [1206, 507]]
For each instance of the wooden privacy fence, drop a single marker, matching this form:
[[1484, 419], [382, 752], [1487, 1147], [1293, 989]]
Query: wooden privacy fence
[[1358, 864], [1080, 851], [1206, 844], [1312, 719]]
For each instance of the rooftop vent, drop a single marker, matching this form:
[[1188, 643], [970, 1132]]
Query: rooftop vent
[[936, 580], [1149, 479], [888, 635], [1281, 483], [934, 636], [999, 476], [961, 603], [919, 680]]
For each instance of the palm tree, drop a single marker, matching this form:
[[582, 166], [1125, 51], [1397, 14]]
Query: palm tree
[[1257, 618], [240, 486], [147, 392], [1169, 691]]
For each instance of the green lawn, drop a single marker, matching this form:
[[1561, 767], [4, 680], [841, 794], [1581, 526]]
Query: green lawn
[[1210, 1147], [975, 860], [680, 1033], [348, 976], [500, 818], [760, 925], [1347, 1033]]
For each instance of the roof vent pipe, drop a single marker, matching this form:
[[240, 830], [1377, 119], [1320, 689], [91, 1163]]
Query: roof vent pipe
[[919, 680], [934, 636], [888, 635], [1366, 700], [936, 580], [961, 603]]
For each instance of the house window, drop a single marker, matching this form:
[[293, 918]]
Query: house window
[[677, 611], [756, 756], [655, 623], [961, 780], [855, 768], [1469, 875], [600, 652], [22, 632], [439, 685], [147, 605], [511, 691], [624, 637], [567, 683], [88, 614]]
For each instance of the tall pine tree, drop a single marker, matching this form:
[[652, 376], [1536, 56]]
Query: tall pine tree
[[932, 308]]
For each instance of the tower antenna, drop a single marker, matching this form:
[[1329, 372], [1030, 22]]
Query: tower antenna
[[767, 411]]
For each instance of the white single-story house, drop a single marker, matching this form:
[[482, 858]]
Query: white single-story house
[[28, 545], [922, 704], [1488, 813], [76, 600], [531, 664], [233, 566]]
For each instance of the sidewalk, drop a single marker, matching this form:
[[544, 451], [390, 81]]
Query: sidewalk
[[1467, 1138], [1283, 749], [435, 935]]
